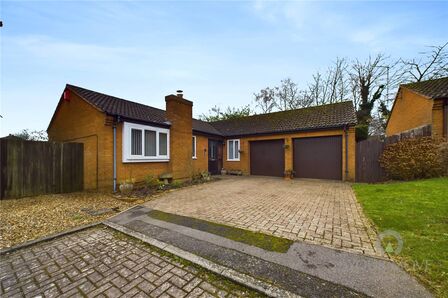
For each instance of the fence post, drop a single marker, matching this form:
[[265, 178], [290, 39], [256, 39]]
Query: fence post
[[62, 169]]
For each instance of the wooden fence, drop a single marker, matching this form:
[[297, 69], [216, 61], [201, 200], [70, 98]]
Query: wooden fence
[[29, 168], [368, 152]]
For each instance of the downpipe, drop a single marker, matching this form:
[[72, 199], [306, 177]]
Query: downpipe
[[346, 152], [114, 128]]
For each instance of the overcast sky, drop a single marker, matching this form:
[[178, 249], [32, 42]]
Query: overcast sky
[[218, 52]]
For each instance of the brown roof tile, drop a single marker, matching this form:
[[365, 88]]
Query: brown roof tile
[[435, 89], [318, 117], [132, 110]]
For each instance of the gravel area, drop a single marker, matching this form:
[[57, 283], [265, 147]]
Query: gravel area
[[26, 219]]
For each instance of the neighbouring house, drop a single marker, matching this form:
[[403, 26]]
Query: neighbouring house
[[420, 104], [124, 139]]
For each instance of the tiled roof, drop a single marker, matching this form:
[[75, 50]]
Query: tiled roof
[[435, 89], [132, 110], [202, 126], [318, 117]]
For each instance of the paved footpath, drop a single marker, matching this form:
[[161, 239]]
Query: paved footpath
[[100, 262]]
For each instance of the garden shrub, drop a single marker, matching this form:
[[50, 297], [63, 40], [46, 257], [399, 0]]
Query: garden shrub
[[444, 153], [152, 182], [413, 158], [361, 132], [202, 177], [176, 184], [205, 176]]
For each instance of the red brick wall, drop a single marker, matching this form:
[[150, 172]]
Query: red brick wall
[[179, 113], [244, 163], [410, 110]]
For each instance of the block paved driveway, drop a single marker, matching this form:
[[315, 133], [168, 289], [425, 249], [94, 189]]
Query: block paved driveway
[[100, 262], [316, 211]]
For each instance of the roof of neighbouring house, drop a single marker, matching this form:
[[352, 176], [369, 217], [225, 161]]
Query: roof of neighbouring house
[[434, 89], [132, 110], [319, 117]]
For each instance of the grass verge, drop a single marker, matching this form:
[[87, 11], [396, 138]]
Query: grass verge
[[260, 240], [418, 211]]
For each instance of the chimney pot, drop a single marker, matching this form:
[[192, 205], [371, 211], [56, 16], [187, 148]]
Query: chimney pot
[[179, 93]]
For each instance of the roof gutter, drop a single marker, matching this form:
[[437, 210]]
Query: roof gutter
[[122, 119], [343, 126]]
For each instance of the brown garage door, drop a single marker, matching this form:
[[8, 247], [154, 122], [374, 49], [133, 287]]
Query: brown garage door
[[319, 157], [267, 158]]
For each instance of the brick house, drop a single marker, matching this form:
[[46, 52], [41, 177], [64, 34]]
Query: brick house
[[419, 104], [124, 139]]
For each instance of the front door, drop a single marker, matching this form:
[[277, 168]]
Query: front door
[[214, 156]]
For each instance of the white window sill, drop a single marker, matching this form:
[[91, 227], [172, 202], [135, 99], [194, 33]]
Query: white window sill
[[233, 160], [145, 160]]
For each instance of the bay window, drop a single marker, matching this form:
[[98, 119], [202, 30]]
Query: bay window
[[143, 143]]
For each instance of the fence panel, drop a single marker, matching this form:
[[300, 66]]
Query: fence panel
[[368, 152], [368, 168], [31, 168]]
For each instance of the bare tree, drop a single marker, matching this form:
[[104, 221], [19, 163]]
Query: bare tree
[[317, 90], [431, 64], [331, 87], [287, 95], [368, 80], [265, 100], [216, 113], [32, 135]]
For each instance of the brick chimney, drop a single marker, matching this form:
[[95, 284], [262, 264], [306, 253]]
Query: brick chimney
[[179, 113]]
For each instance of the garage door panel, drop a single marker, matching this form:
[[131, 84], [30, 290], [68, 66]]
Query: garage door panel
[[318, 157], [267, 158]]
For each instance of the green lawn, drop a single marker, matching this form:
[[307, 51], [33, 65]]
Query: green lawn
[[418, 210]]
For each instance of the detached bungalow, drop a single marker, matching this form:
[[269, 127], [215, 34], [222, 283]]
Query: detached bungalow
[[419, 104], [124, 139]]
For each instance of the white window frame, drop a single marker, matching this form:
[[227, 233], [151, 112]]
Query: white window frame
[[126, 140], [228, 149], [195, 147]]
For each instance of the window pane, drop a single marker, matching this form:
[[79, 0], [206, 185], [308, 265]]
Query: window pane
[[237, 154], [231, 148], [150, 143], [163, 144], [214, 151], [193, 147], [136, 142]]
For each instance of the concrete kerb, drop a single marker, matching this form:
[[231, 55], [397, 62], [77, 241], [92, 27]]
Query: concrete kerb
[[238, 277], [48, 238]]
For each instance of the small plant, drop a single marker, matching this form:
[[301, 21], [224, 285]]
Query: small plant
[[126, 186], [289, 174], [205, 176], [152, 182], [176, 184], [161, 186]]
